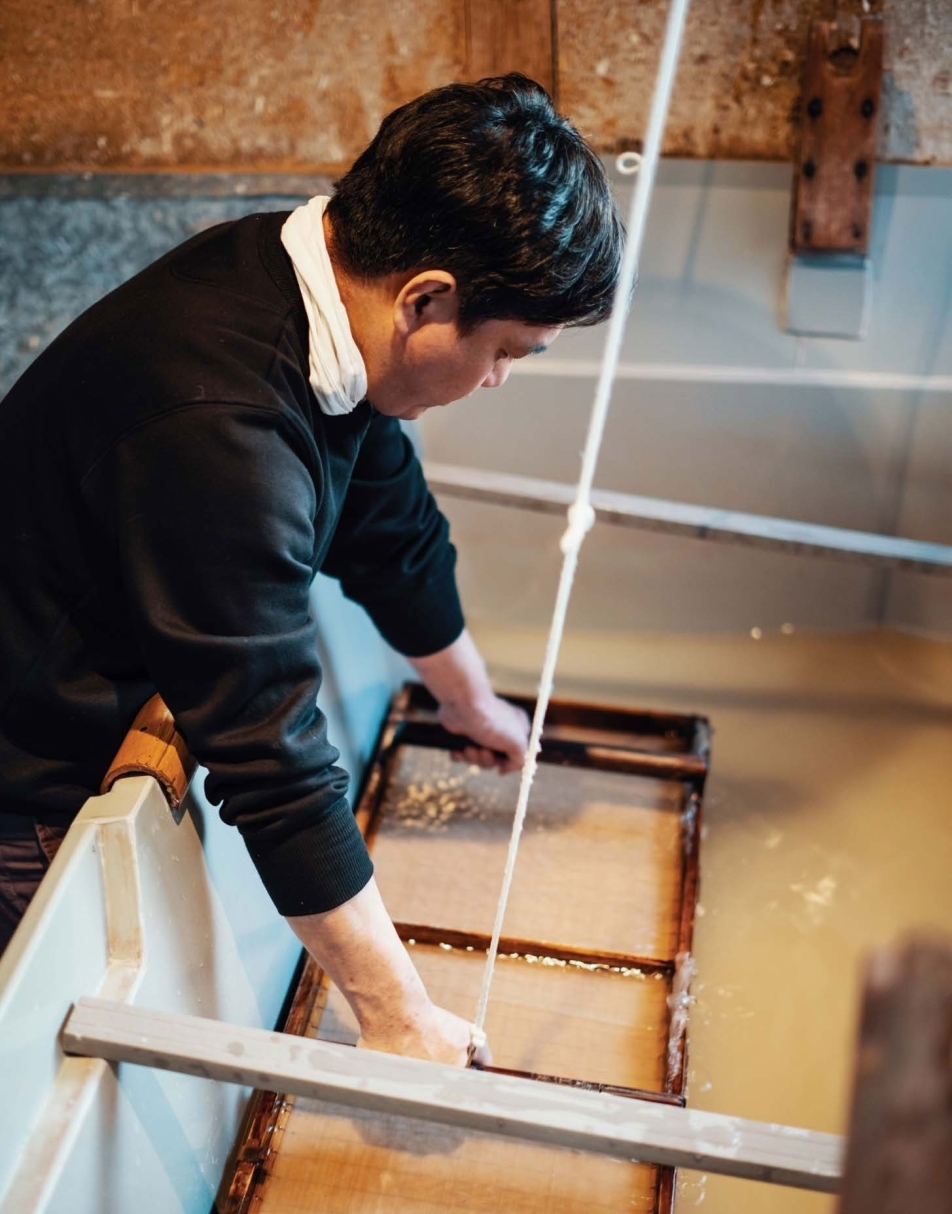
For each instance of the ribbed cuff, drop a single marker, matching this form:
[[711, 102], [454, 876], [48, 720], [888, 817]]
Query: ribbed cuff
[[322, 867], [420, 623]]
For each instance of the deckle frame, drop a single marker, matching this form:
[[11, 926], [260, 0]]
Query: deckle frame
[[662, 746]]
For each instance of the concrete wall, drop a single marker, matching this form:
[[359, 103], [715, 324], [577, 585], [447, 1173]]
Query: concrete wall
[[849, 449]]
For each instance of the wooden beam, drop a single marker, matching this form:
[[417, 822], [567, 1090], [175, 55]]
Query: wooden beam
[[900, 1146], [511, 36], [696, 522], [471, 1100]]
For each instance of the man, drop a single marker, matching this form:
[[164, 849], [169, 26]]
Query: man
[[179, 464]]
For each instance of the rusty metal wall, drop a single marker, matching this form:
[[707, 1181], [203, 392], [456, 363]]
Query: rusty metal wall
[[290, 86]]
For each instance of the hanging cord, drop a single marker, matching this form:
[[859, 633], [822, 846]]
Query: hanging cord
[[581, 516]]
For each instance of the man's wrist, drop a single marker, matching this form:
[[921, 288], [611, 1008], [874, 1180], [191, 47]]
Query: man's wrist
[[456, 676]]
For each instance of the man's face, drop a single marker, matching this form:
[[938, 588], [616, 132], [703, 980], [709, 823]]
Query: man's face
[[437, 365]]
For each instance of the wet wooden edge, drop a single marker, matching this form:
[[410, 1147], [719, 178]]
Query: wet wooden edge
[[268, 1111], [422, 706], [422, 933], [691, 807]]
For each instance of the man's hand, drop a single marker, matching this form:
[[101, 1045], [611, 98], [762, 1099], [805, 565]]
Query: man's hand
[[438, 1036], [457, 677], [499, 727], [357, 946]]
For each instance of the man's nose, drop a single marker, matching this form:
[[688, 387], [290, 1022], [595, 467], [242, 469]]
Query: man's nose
[[498, 375]]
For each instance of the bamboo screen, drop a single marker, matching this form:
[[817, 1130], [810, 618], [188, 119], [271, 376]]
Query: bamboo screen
[[591, 966]]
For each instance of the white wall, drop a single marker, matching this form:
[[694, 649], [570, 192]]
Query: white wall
[[867, 456]]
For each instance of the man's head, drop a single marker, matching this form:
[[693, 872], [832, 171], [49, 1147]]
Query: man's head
[[488, 221]]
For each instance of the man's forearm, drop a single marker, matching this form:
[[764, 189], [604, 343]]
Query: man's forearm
[[456, 676], [458, 679], [357, 945]]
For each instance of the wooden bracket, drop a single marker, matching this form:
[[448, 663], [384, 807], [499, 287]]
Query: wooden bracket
[[511, 36], [152, 747], [833, 190]]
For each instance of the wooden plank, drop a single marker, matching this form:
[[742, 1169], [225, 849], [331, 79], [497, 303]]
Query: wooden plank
[[695, 522], [833, 192], [511, 36], [900, 1142], [498, 1104]]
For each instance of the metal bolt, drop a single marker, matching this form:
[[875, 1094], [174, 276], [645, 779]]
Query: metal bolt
[[867, 109], [860, 168], [809, 168], [857, 232], [815, 108]]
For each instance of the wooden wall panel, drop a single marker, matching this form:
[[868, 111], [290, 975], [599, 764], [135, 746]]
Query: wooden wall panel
[[737, 90], [511, 35], [241, 85]]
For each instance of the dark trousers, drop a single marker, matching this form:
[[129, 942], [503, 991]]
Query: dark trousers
[[27, 848]]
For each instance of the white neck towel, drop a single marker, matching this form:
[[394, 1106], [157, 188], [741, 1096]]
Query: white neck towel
[[337, 372]]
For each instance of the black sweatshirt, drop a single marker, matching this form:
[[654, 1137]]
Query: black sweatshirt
[[168, 489]]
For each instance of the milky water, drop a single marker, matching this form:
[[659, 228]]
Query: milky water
[[828, 831]]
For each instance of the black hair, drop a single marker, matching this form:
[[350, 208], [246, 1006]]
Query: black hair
[[486, 181]]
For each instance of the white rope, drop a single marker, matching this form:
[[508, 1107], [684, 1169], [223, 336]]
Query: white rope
[[580, 514]]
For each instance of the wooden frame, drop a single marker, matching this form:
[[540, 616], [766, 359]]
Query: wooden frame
[[665, 746], [596, 1117]]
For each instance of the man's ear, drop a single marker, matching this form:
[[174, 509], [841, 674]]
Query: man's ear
[[429, 297]]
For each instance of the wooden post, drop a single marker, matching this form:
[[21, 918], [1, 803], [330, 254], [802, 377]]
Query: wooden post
[[512, 36], [899, 1157]]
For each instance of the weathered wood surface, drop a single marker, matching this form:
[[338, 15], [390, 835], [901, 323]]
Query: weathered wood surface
[[153, 747], [833, 195], [264, 86], [511, 35], [697, 522], [498, 1104], [899, 1156]]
